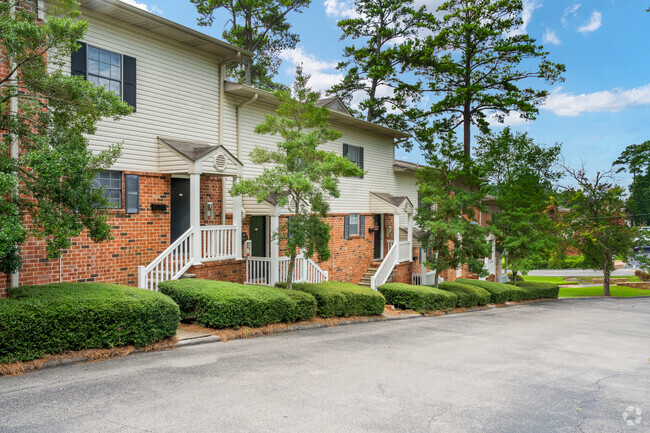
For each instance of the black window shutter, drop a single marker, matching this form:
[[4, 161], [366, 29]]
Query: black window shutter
[[128, 84], [78, 63], [362, 226], [361, 159], [345, 149], [346, 227], [132, 189]]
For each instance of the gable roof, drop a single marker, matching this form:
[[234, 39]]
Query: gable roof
[[333, 104], [145, 20], [335, 116]]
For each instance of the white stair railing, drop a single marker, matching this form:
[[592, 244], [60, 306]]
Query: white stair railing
[[314, 273], [404, 251], [218, 242], [170, 264], [386, 267], [283, 264]]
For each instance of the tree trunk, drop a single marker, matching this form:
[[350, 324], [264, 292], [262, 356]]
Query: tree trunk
[[467, 131], [292, 264], [248, 79], [606, 274], [514, 277], [436, 280]]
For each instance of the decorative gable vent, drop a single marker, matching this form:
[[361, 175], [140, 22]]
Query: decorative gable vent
[[220, 162]]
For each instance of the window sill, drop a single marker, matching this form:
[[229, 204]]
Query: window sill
[[355, 237]]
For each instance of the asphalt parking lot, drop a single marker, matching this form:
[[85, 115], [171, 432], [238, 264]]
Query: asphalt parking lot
[[564, 366]]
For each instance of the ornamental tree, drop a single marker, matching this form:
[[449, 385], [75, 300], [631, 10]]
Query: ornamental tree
[[46, 170], [521, 175], [259, 26], [372, 68], [451, 193], [597, 223], [475, 62], [301, 175]]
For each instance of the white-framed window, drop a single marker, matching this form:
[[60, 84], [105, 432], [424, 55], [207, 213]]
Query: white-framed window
[[111, 181], [354, 224], [105, 68]]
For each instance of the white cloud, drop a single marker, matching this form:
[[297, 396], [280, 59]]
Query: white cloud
[[527, 15], [594, 23], [339, 8], [551, 38], [512, 119], [321, 79], [571, 10], [569, 104], [143, 6]]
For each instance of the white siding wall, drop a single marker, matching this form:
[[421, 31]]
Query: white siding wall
[[378, 159], [177, 93]]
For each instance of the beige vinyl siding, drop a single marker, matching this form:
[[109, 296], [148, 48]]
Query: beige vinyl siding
[[355, 197], [177, 90]]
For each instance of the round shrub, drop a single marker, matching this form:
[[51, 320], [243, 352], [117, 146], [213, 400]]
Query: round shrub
[[336, 298], [468, 296], [39, 320], [419, 298], [220, 304]]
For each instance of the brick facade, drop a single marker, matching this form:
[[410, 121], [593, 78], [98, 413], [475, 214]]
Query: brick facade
[[138, 240]]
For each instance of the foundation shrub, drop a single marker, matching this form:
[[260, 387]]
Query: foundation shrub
[[535, 290], [220, 304], [467, 295], [499, 292], [422, 299], [57, 318], [336, 298]]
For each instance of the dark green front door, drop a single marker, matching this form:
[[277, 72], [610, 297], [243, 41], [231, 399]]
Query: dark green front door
[[258, 236]]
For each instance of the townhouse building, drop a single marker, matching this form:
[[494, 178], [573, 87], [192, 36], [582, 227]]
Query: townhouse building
[[187, 141]]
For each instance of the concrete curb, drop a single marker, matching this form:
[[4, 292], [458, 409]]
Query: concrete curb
[[198, 340]]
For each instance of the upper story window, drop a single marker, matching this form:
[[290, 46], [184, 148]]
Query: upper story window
[[105, 68], [111, 181], [354, 154], [117, 72]]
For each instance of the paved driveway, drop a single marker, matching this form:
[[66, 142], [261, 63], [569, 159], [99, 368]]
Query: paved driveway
[[566, 366]]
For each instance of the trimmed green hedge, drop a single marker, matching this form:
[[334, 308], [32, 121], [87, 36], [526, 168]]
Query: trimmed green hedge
[[220, 304], [419, 298], [40, 320], [499, 292], [535, 290], [468, 296], [336, 298]]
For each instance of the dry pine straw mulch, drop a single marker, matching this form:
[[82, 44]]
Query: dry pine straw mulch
[[81, 356], [227, 334]]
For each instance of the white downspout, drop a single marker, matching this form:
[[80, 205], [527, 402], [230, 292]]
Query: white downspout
[[237, 112], [15, 150]]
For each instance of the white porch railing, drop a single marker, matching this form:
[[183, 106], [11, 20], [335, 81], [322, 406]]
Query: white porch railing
[[170, 264], [404, 251], [425, 279], [218, 242], [259, 271], [386, 267]]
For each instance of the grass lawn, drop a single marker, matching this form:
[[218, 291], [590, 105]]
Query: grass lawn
[[554, 280], [629, 278], [573, 292]]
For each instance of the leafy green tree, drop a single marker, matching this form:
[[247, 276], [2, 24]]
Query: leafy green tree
[[373, 68], [636, 160], [521, 174], [475, 62], [450, 193], [259, 26], [46, 169], [302, 176], [597, 223]]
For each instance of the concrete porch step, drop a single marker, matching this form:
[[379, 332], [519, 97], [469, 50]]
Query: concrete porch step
[[187, 276]]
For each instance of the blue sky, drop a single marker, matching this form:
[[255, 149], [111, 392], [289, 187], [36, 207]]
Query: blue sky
[[602, 107]]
